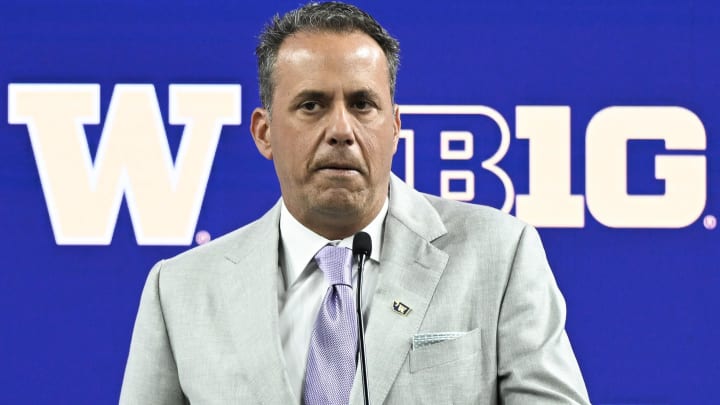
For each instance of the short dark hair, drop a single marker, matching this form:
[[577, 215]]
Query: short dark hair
[[318, 17]]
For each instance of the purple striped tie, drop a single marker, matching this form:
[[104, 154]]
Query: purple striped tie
[[331, 359]]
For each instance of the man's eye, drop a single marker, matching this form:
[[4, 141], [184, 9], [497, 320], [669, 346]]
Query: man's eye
[[310, 106], [363, 105]]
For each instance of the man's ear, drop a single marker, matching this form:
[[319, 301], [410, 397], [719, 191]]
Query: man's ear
[[396, 127], [260, 129]]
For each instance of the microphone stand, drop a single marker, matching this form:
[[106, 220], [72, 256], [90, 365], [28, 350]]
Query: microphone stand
[[362, 254]]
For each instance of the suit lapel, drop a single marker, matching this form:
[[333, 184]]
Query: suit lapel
[[410, 268], [250, 291]]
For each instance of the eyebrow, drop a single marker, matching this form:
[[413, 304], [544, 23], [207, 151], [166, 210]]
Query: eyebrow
[[319, 95], [310, 95], [367, 93]]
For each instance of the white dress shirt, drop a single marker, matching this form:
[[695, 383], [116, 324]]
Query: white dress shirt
[[302, 287]]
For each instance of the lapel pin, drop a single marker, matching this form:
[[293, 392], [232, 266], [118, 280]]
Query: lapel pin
[[400, 308]]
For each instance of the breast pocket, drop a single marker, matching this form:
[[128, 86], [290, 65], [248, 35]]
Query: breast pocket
[[446, 351]]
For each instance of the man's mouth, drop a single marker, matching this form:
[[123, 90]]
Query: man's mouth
[[339, 170], [338, 167]]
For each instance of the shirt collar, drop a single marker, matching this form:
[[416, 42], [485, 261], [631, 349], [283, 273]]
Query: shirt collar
[[299, 244]]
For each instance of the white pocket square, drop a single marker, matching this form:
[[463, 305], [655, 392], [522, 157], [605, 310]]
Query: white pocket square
[[426, 339]]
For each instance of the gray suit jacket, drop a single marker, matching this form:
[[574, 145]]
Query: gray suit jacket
[[207, 328]]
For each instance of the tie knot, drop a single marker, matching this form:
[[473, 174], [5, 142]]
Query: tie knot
[[336, 263]]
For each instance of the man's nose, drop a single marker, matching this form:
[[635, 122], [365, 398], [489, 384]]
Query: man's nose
[[340, 129]]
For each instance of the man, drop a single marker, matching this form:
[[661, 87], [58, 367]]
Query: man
[[459, 301]]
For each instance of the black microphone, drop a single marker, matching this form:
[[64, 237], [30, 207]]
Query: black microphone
[[362, 246]]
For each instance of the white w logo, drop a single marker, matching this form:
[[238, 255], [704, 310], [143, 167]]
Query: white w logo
[[133, 156]]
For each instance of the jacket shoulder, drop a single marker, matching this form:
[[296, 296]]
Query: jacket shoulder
[[473, 218], [230, 248]]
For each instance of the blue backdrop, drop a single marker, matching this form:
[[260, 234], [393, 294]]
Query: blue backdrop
[[641, 292]]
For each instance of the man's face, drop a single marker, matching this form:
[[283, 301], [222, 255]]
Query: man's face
[[333, 130]]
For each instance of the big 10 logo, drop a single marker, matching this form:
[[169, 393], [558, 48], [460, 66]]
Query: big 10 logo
[[549, 202]]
